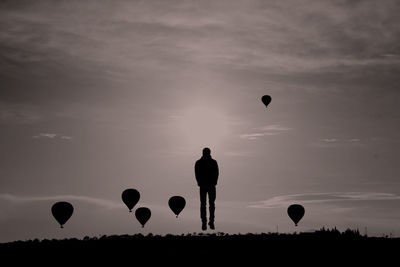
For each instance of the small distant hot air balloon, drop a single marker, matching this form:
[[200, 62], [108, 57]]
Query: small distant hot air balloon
[[143, 215], [62, 211], [266, 99], [296, 212], [130, 197], [177, 204]]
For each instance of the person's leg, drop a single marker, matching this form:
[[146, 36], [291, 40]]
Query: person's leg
[[203, 200], [211, 201]]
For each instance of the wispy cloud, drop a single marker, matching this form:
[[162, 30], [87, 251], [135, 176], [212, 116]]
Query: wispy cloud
[[336, 142], [268, 130], [105, 203], [19, 114], [45, 135], [51, 136], [329, 140], [252, 136], [275, 128], [317, 198]]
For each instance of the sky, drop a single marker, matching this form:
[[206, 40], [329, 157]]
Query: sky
[[100, 96]]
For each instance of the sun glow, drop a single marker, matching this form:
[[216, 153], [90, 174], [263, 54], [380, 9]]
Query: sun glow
[[203, 126]]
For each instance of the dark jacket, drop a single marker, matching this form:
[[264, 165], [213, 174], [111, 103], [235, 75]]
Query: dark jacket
[[206, 170]]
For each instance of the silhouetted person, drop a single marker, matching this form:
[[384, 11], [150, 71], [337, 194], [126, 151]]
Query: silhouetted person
[[206, 171]]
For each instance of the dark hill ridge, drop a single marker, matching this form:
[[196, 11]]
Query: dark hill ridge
[[319, 247]]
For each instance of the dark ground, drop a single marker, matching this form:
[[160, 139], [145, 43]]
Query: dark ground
[[320, 248]]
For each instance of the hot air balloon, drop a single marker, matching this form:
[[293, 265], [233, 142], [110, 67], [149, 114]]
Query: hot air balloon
[[266, 99], [62, 211], [130, 197], [296, 212], [142, 215], [177, 204]]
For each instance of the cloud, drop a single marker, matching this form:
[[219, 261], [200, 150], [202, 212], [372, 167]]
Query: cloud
[[46, 135], [268, 130], [318, 198], [329, 140], [69, 56], [52, 136], [19, 114], [336, 142], [253, 136], [273, 34], [109, 204], [275, 128]]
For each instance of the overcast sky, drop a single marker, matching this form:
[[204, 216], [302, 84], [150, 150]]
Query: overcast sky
[[100, 96]]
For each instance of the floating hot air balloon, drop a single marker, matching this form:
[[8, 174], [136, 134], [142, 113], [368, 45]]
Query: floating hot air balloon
[[177, 204], [296, 212], [142, 215], [266, 99], [130, 197], [62, 211]]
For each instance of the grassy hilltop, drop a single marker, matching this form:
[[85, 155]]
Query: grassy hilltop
[[323, 246]]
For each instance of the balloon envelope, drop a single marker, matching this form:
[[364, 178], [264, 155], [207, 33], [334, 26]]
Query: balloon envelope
[[177, 204], [62, 211], [296, 212], [130, 197], [266, 99], [143, 215]]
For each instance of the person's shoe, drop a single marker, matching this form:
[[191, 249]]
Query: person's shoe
[[212, 226], [204, 226]]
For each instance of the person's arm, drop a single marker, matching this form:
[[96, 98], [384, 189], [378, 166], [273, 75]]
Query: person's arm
[[216, 172], [196, 172]]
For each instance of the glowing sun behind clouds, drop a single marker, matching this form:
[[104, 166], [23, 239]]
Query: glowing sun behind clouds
[[203, 126]]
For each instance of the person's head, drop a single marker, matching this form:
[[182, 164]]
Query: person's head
[[206, 152]]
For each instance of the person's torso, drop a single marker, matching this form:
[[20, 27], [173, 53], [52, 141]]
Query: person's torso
[[207, 170]]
